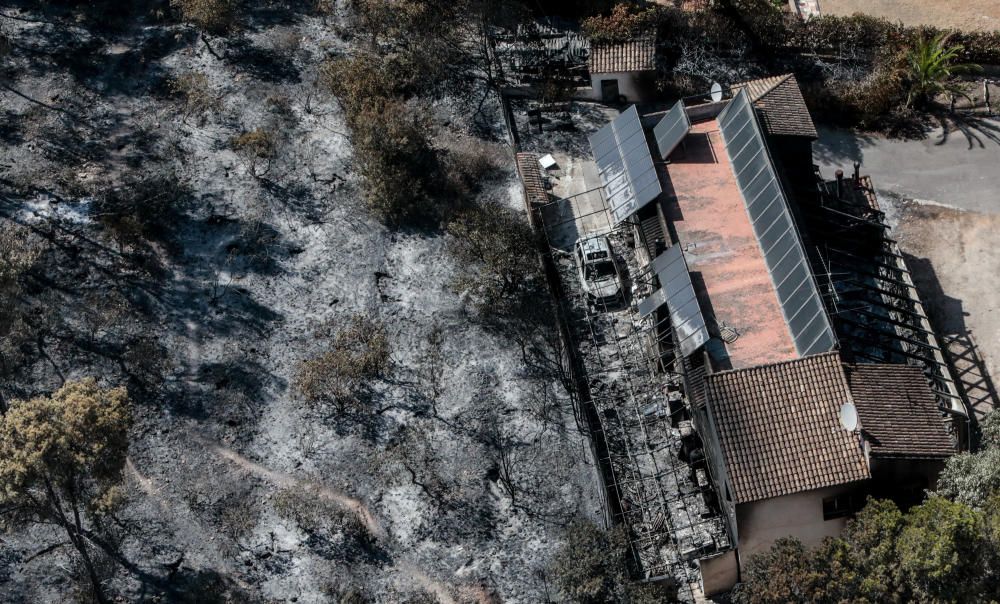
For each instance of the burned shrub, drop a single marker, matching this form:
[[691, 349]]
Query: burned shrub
[[141, 209], [497, 250], [421, 38], [399, 167], [197, 93], [625, 22], [211, 16], [358, 80], [875, 101], [334, 533], [19, 250], [256, 149], [593, 566], [397, 164], [469, 163], [354, 355]]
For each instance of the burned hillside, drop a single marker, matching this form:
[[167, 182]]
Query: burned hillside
[[324, 407]]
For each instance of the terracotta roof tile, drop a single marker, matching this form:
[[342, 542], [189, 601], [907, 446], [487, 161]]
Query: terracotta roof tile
[[635, 55], [779, 427], [780, 105], [898, 411], [532, 178]]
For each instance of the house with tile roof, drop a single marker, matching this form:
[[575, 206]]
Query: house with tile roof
[[622, 70], [774, 328], [809, 310], [785, 462]]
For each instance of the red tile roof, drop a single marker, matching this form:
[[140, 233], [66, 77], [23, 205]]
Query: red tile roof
[[898, 412], [532, 178], [705, 206], [780, 105], [634, 55], [779, 427]]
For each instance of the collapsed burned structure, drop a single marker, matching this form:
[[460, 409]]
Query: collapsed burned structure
[[769, 363]]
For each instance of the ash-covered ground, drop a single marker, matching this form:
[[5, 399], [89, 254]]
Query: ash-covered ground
[[236, 489]]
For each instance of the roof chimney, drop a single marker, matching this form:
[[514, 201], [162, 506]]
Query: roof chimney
[[840, 184]]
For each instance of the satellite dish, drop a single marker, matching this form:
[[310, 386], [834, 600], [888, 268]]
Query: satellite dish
[[716, 92], [849, 417]]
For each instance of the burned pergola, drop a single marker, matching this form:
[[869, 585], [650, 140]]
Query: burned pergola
[[869, 292], [644, 442]]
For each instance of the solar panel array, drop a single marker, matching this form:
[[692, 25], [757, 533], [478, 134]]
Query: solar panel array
[[775, 229], [624, 164], [672, 129], [677, 291]]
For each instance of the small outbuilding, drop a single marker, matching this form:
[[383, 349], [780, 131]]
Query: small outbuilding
[[622, 72]]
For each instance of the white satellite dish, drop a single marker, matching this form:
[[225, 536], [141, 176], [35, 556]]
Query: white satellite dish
[[849, 417], [716, 92]]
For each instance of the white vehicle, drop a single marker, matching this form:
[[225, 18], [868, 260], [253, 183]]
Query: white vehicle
[[599, 274]]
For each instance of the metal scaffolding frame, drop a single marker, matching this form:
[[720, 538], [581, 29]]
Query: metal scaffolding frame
[[660, 499]]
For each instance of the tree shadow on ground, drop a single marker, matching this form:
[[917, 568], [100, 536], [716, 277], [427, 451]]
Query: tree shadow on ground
[[978, 130], [264, 64]]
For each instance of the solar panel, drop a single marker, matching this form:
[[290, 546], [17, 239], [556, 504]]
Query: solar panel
[[654, 301], [677, 292], [672, 129], [774, 227], [626, 169]]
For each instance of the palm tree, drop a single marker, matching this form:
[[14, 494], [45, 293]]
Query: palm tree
[[932, 65]]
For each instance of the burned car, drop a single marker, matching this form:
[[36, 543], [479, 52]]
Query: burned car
[[598, 269]]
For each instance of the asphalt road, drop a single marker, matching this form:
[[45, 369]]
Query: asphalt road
[[960, 169]]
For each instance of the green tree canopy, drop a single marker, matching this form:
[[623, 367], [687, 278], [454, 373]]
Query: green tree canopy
[[939, 551], [973, 478], [933, 63], [61, 460]]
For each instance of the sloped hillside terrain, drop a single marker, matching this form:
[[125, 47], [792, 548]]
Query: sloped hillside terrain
[[323, 412]]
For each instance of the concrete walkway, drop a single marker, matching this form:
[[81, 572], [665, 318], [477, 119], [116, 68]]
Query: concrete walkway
[[960, 169]]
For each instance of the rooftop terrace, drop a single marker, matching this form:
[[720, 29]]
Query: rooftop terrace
[[734, 286]]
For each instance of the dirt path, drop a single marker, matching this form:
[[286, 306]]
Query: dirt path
[[961, 14], [410, 575], [284, 481]]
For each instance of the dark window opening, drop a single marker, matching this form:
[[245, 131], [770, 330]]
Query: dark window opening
[[841, 505]]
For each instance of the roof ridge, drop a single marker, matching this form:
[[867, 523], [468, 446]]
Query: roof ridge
[[778, 80], [783, 80], [775, 363], [900, 365], [637, 40]]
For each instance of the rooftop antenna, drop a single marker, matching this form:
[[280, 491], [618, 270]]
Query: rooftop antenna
[[716, 92], [849, 417]]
